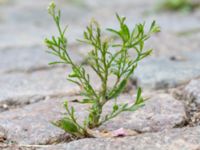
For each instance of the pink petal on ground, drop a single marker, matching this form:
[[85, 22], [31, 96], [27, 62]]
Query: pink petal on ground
[[119, 132]]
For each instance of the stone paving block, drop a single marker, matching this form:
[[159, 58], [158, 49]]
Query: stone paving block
[[22, 88], [31, 59], [170, 23], [175, 139], [170, 46], [191, 92], [30, 26], [160, 112], [159, 73], [31, 124], [77, 18]]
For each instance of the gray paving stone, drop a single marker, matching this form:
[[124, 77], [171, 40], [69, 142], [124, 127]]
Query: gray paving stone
[[34, 35], [22, 88], [170, 23], [160, 112], [30, 59], [36, 13], [167, 21], [175, 139], [169, 45], [37, 28], [192, 92], [159, 73], [31, 124], [33, 24]]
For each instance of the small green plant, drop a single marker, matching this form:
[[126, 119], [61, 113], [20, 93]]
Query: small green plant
[[178, 5], [106, 58]]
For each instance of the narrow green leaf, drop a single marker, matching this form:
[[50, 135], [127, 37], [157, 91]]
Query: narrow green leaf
[[56, 62], [113, 31], [118, 90], [118, 17], [67, 125], [145, 54], [139, 98], [125, 32], [154, 27], [135, 107], [87, 101]]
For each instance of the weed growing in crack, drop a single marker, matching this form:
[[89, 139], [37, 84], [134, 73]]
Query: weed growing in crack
[[106, 58]]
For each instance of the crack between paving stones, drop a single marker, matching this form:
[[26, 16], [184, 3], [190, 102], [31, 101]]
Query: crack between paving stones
[[32, 70], [191, 109], [12, 103], [18, 147], [9, 104], [66, 138], [63, 138]]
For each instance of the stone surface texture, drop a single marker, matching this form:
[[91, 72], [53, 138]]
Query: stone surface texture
[[161, 112], [176, 139], [192, 91]]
